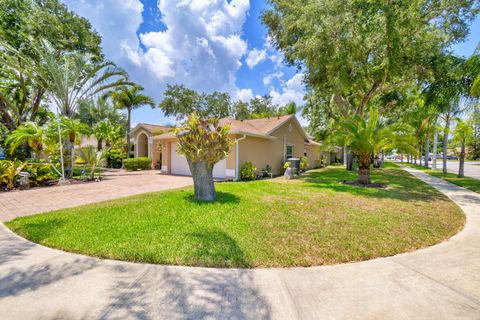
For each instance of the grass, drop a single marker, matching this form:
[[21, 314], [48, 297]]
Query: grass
[[314, 220], [465, 182]]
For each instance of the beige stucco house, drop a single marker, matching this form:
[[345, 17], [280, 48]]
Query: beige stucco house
[[268, 141]]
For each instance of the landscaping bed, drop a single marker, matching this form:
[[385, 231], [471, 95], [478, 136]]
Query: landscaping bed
[[313, 220]]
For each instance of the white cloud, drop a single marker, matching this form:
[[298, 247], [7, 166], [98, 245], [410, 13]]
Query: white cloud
[[267, 80], [255, 57], [244, 95], [292, 90], [201, 46]]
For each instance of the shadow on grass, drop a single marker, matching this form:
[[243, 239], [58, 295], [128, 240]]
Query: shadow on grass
[[39, 231], [222, 198], [400, 184], [215, 248]]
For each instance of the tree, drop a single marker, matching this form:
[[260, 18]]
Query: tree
[[130, 98], [92, 112], [289, 108], [359, 53], [179, 102], [453, 78], [462, 133], [203, 142], [72, 130], [355, 51], [240, 110], [35, 137], [368, 137], [92, 158], [23, 23], [262, 107], [217, 105]]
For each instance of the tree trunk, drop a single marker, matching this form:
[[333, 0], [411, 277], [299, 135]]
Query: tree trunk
[[445, 142], [434, 151], [461, 166], [99, 144], [129, 112], [364, 169], [202, 173], [427, 149], [72, 158], [349, 161]]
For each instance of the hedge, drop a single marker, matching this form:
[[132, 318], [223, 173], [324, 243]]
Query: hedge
[[115, 158], [132, 164]]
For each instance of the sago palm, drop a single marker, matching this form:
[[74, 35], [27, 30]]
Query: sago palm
[[131, 98], [368, 137]]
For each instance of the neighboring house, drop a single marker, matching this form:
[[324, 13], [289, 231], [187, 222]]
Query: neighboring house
[[267, 141], [143, 142]]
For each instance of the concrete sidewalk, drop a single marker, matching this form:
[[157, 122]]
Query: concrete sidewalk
[[440, 282]]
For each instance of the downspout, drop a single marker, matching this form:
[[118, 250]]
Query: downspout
[[237, 170]]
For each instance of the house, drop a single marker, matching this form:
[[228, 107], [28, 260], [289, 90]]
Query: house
[[267, 141], [143, 143]]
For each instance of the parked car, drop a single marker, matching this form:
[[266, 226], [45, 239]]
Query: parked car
[[452, 157]]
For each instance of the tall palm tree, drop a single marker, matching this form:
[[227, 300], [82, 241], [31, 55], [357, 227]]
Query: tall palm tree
[[35, 137], [461, 134], [131, 98]]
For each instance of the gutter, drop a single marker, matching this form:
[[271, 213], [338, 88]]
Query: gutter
[[237, 171]]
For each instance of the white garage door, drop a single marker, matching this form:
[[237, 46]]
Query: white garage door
[[180, 165]]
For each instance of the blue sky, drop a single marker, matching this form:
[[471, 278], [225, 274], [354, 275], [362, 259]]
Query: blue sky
[[205, 44]]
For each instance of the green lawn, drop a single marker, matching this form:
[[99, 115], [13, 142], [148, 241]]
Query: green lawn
[[310, 221], [466, 182]]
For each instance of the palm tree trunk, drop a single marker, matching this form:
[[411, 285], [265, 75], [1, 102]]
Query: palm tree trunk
[[129, 112], [461, 166], [445, 143], [202, 173], [99, 144], [364, 169], [434, 151], [72, 159], [427, 149]]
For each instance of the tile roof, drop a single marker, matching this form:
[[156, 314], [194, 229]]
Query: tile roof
[[152, 127], [252, 127]]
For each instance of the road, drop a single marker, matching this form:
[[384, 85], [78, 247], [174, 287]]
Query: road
[[472, 169]]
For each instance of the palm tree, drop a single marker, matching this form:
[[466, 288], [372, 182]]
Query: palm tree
[[73, 130], [368, 137], [93, 158], [131, 98], [35, 137], [93, 112], [461, 134], [450, 90]]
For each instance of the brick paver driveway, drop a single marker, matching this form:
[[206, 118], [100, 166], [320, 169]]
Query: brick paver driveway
[[116, 184]]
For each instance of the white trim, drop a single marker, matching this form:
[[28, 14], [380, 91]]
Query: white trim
[[230, 173]]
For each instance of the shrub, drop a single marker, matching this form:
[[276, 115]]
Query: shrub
[[40, 173], [9, 171], [132, 164], [303, 163], [286, 165], [115, 158], [248, 171]]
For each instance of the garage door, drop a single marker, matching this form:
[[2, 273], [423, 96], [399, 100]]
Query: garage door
[[180, 165]]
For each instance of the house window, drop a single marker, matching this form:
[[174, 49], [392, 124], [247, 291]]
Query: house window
[[289, 152]]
